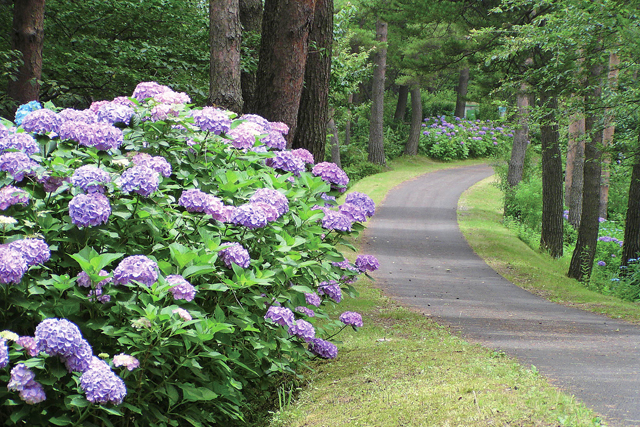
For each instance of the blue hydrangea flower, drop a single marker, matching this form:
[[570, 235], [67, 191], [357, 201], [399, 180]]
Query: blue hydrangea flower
[[280, 315], [139, 179], [273, 198], [235, 254], [24, 110], [250, 216], [195, 200], [102, 386], [80, 359], [181, 288], [33, 393], [58, 337], [306, 311], [4, 353], [322, 348], [302, 329], [34, 251], [12, 265], [367, 263], [115, 113], [331, 173], [83, 279], [10, 195], [336, 221], [363, 201], [138, 268], [21, 376], [89, 210], [602, 263], [42, 121], [17, 164], [19, 142], [212, 120], [313, 299], [330, 289], [157, 163], [351, 318], [286, 161], [90, 179]]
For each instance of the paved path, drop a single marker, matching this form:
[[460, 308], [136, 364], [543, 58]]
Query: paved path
[[427, 263]]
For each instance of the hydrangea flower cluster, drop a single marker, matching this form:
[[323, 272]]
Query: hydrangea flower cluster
[[302, 329], [330, 289], [184, 314], [280, 315], [304, 155], [102, 136], [112, 112], [89, 210], [157, 163], [275, 140], [20, 142], [212, 120], [4, 132], [287, 162], [171, 97], [4, 353], [331, 173], [42, 121], [29, 344], [127, 361], [243, 137], [273, 198], [363, 201], [367, 263], [24, 110], [353, 212], [17, 164], [102, 386], [90, 179], [138, 268], [249, 215], [195, 200], [84, 280], [180, 288], [306, 311], [59, 337], [139, 179], [312, 299], [336, 221], [322, 348], [34, 251], [10, 195], [351, 318], [235, 254], [72, 115], [146, 90], [23, 381], [12, 265]]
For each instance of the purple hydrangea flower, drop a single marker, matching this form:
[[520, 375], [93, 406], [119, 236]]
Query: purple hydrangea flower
[[90, 179], [139, 179], [250, 216], [157, 163], [58, 337], [98, 364], [331, 173], [17, 164], [280, 315], [243, 137], [273, 198], [83, 279], [33, 393], [10, 195], [602, 263], [84, 116], [4, 353], [254, 118], [125, 360], [363, 201], [351, 318], [80, 359], [184, 314], [29, 344], [322, 348], [98, 295], [270, 212], [21, 376], [336, 221], [146, 90], [212, 120], [171, 97], [42, 121], [103, 386], [89, 210], [138, 268], [102, 136], [313, 299], [195, 200], [303, 154], [283, 128], [330, 289], [180, 288], [235, 254], [4, 132], [274, 140], [34, 251], [24, 110], [367, 263], [95, 105], [115, 113], [353, 212], [302, 329], [162, 112], [12, 265], [75, 131], [20, 142], [286, 161], [306, 311]]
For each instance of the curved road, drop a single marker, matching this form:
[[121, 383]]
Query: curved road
[[426, 262]]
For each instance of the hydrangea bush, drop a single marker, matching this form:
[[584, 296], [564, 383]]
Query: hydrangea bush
[[163, 265]]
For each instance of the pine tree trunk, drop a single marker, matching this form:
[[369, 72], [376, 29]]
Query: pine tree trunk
[[607, 137], [520, 138], [224, 61], [631, 245], [376, 134], [552, 236], [251, 20], [313, 114], [27, 36], [584, 253], [283, 56], [411, 149], [461, 90], [575, 168], [401, 106]]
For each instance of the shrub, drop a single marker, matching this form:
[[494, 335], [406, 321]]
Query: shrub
[[169, 253]]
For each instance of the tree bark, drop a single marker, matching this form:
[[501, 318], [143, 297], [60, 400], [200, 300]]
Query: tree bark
[[520, 138], [411, 149], [376, 134], [283, 56], [461, 90], [574, 173], [401, 106], [607, 137], [27, 36], [552, 236], [631, 245], [224, 44], [313, 114], [251, 21], [584, 253]]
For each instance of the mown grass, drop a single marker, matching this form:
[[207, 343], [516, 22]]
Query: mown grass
[[403, 369]]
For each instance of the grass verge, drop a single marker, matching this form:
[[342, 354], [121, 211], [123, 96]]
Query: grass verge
[[402, 369]]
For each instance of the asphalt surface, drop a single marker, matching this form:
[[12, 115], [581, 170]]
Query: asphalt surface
[[426, 263]]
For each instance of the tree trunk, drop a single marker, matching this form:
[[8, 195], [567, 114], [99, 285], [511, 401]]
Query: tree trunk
[[584, 253], [27, 36], [574, 173], [520, 138], [313, 113], [401, 106], [251, 20], [551, 239], [411, 149], [335, 142], [224, 47], [631, 245], [607, 137], [283, 56], [461, 90], [376, 134]]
